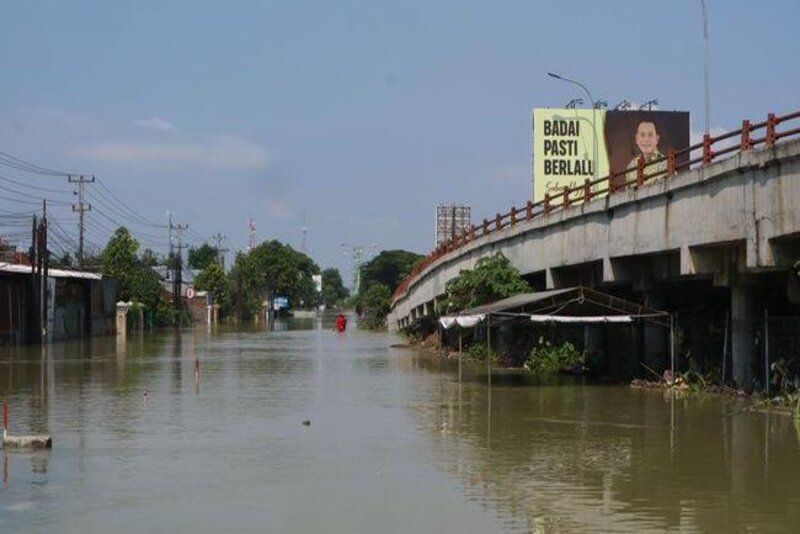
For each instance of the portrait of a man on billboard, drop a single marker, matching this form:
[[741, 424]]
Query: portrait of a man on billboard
[[646, 135]]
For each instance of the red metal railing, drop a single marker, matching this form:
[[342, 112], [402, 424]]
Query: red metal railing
[[664, 167]]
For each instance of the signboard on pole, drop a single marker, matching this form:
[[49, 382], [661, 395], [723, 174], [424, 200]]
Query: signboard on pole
[[317, 279]]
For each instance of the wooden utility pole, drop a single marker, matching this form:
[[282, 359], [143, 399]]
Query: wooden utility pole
[[176, 260]]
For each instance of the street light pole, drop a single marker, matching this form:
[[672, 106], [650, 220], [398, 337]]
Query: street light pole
[[594, 112], [705, 65]]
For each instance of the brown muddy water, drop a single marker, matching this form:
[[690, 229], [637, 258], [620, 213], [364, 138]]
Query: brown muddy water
[[395, 444]]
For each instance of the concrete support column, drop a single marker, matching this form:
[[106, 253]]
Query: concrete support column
[[215, 316], [656, 338], [743, 348], [506, 339]]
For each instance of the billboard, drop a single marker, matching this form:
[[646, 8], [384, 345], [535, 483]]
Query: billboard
[[570, 145]]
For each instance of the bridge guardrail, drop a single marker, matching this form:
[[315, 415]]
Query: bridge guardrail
[[615, 182]]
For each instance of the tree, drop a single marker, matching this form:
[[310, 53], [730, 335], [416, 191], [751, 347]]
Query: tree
[[493, 278], [118, 260], [65, 260], [276, 268], [388, 268], [214, 280], [375, 305], [135, 280], [199, 258], [333, 290], [149, 257]]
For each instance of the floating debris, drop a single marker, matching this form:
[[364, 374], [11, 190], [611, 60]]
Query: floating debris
[[23, 442]]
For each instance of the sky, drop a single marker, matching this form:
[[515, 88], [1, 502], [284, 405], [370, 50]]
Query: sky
[[364, 115]]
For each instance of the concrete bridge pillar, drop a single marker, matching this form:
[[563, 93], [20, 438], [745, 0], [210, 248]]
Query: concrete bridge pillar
[[743, 346], [656, 337]]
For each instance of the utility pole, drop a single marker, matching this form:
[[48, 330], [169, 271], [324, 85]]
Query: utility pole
[[219, 239], [705, 68], [238, 288], [176, 232], [33, 295], [81, 208], [42, 263]]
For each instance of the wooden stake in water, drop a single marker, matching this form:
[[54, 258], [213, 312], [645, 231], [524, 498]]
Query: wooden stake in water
[[672, 345], [766, 351], [460, 353], [725, 346]]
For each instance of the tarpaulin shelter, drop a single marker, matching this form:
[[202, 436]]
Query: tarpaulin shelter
[[573, 305]]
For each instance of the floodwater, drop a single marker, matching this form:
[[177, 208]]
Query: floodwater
[[395, 443]]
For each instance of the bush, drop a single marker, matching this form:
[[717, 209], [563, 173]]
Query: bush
[[375, 304], [551, 359], [478, 352]]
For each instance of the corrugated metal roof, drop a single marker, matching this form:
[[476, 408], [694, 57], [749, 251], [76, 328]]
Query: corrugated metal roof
[[52, 273]]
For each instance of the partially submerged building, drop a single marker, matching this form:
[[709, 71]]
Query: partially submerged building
[[77, 304]]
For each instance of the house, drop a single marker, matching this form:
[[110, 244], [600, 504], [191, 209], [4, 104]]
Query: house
[[77, 304]]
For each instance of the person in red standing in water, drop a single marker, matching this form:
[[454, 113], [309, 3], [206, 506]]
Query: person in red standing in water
[[341, 323]]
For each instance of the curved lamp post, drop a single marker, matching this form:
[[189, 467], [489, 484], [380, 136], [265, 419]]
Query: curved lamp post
[[594, 111]]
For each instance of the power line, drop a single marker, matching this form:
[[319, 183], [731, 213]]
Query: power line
[[144, 220], [13, 161]]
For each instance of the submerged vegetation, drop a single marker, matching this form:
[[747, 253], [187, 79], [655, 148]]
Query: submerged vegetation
[[546, 358]]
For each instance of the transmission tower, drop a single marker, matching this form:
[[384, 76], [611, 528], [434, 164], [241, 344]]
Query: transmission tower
[[81, 207], [251, 234], [360, 254], [219, 239], [304, 231]]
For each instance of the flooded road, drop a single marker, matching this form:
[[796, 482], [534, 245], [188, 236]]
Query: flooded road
[[395, 444]]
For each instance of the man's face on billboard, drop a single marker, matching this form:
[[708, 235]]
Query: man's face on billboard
[[647, 138]]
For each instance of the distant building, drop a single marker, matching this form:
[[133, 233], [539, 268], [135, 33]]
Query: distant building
[[451, 220]]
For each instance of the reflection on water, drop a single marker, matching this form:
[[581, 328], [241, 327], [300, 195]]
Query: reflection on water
[[589, 457], [201, 430]]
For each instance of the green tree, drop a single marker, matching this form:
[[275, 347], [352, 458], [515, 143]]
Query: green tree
[[388, 268], [149, 257], [65, 260], [214, 280], [199, 258], [276, 268], [135, 280], [333, 290], [375, 306], [118, 260], [493, 278]]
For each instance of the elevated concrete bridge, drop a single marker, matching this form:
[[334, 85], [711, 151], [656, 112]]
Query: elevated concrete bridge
[[726, 231]]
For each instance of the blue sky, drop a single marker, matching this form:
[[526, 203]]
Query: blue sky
[[363, 114]]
